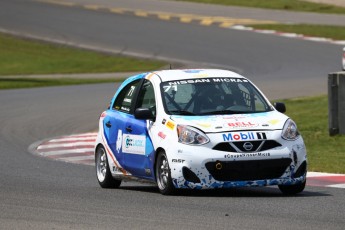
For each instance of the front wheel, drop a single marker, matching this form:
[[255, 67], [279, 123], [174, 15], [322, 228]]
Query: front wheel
[[104, 177], [163, 175], [292, 189]]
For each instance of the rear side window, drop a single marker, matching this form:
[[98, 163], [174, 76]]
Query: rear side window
[[125, 98]]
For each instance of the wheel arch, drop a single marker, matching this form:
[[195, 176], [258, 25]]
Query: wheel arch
[[98, 146], [158, 150]]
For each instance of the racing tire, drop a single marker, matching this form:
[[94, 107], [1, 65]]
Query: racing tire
[[104, 177], [163, 175], [292, 189]]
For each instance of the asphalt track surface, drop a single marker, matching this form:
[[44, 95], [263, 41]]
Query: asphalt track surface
[[38, 193]]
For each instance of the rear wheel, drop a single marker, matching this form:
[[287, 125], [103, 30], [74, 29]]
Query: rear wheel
[[104, 177], [292, 189], [163, 175]]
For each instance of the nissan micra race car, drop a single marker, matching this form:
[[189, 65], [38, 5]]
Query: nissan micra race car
[[198, 129]]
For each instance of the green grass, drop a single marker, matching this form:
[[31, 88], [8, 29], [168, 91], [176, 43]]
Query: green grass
[[333, 32], [291, 5], [325, 153], [15, 83], [19, 56]]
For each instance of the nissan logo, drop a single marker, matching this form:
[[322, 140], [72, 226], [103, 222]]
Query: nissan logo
[[248, 146]]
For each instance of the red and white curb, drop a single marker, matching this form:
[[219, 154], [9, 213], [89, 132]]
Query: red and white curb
[[79, 149], [289, 35], [326, 180]]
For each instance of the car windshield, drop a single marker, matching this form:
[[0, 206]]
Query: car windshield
[[212, 96]]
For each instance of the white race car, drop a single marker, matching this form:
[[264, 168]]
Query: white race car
[[198, 129]]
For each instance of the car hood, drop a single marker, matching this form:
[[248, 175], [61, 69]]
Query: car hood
[[227, 123]]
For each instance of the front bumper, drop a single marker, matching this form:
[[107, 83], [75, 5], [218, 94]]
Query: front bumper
[[211, 183], [201, 167]]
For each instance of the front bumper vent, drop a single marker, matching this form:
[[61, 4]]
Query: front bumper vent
[[248, 170], [189, 175]]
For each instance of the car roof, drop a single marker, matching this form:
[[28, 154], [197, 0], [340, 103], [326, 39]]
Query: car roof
[[171, 75], [180, 74]]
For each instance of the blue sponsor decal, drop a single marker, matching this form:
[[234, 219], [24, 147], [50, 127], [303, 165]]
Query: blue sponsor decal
[[135, 143], [192, 71]]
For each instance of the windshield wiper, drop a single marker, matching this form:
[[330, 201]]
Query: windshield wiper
[[219, 112], [181, 112]]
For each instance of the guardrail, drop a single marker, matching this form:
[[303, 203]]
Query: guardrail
[[336, 103]]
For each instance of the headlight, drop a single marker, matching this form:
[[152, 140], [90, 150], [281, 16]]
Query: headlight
[[290, 131], [191, 136]]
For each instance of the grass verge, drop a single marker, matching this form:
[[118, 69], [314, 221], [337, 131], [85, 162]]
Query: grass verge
[[20, 56], [325, 153], [291, 5], [332, 32], [16, 83]]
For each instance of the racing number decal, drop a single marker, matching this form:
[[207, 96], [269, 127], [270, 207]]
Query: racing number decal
[[130, 92]]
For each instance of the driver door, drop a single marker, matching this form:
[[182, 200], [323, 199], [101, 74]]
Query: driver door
[[137, 145]]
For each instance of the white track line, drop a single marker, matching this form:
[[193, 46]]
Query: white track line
[[73, 139], [320, 174], [65, 152], [65, 145], [80, 158], [289, 35], [336, 186]]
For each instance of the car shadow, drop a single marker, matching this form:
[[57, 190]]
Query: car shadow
[[231, 192]]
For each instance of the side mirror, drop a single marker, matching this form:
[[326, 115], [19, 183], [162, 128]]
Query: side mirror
[[144, 114], [280, 107]]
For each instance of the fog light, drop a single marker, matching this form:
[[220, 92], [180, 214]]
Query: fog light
[[219, 165]]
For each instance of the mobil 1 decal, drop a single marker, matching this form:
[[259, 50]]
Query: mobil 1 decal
[[244, 136]]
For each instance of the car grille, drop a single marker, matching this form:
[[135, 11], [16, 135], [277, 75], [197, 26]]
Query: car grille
[[248, 170], [240, 146]]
